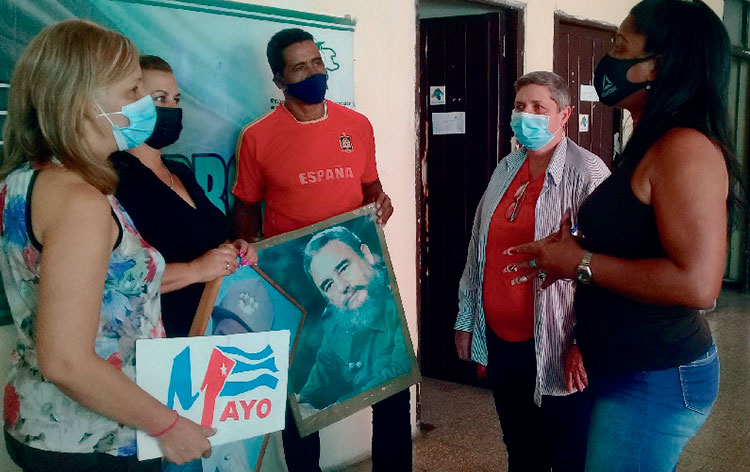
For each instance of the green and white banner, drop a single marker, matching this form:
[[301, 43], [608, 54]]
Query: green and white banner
[[218, 52], [217, 49]]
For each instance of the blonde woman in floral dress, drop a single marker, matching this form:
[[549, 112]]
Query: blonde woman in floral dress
[[82, 284]]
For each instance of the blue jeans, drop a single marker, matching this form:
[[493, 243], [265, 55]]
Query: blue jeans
[[641, 421]]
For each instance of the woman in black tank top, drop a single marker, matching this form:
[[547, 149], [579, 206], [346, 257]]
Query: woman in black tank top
[[654, 246]]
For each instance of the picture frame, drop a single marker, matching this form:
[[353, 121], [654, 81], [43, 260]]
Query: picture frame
[[320, 370], [246, 301]]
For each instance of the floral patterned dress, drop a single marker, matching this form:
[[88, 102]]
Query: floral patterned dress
[[36, 412]]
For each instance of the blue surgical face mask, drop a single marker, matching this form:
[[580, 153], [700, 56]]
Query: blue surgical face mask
[[531, 130], [311, 90], [142, 116]]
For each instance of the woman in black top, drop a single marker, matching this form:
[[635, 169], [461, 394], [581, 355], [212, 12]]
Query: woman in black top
[[171, 211], [654, 244]]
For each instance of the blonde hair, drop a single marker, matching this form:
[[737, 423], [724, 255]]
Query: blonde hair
[[52, 94]]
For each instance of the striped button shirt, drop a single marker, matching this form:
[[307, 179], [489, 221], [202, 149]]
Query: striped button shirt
[[572, 174]]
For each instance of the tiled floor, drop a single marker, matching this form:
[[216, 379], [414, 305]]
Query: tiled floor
[[461, 431]]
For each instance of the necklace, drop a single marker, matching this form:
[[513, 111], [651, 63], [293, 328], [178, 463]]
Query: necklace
[[171, 177]]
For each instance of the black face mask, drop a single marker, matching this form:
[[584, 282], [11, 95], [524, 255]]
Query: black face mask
[[611, 79], [167, 128]]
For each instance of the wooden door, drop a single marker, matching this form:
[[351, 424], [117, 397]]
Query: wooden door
[[578, 48], [471, 61]]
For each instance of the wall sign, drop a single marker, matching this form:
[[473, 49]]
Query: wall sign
[[583, 123], [437, 95]]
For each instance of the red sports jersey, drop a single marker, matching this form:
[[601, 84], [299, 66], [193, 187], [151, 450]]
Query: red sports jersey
[[305, 171]]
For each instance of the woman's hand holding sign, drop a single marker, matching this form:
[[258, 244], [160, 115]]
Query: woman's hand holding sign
[[185, 441]]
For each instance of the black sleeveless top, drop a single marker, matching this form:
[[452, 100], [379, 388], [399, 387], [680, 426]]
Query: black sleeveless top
[[178, 231], [615, 333]]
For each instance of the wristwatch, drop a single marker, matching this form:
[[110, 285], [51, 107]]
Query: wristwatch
[[583, 272]]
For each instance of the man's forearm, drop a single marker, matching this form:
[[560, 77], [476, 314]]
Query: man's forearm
[[246, 221], [370, 191]]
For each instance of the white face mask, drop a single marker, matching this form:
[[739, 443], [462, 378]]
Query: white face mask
[[142, 116]]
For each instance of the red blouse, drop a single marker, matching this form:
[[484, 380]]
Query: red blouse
[[509, 310]]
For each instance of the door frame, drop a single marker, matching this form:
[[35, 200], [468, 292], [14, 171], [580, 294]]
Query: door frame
[[514, 45], [565, 18]]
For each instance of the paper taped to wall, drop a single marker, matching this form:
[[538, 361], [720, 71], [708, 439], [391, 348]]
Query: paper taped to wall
[[449, 123], [588, 94]]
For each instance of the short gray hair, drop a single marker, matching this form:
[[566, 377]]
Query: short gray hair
[[558, 87]]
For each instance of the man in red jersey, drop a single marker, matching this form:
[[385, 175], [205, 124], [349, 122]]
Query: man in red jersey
[[311, 159]]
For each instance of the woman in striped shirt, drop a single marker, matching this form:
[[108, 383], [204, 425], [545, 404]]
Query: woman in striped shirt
[[530, 331], [655, 239]]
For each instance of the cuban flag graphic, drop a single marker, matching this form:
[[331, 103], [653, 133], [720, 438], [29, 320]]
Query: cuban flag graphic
[[232, 371]]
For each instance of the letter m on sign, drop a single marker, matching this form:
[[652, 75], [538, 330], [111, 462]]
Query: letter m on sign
[[180, 382]]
